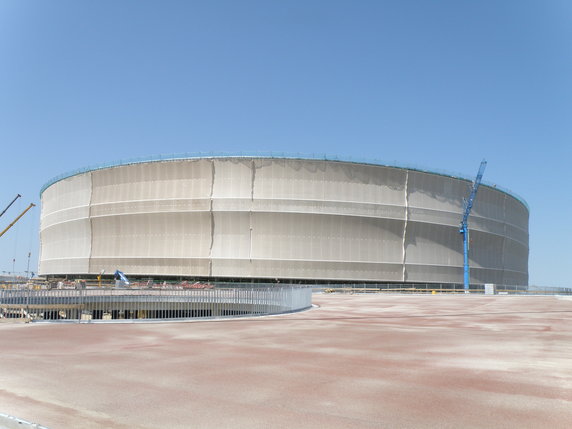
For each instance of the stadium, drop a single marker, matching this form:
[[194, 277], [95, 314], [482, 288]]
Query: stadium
[[278, 219]]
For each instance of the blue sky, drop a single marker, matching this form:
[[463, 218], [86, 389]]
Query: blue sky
[[437, 84]]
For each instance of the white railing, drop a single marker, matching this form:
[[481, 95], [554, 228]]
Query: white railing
[[115, 304]]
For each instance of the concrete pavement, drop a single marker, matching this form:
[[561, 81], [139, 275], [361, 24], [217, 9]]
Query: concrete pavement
[[356, 361]]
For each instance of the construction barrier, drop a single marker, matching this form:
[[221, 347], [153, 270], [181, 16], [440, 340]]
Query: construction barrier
[[99, 304]]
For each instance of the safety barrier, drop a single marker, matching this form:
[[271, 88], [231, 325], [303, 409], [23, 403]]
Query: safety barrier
[[117, 304], [432, 288]]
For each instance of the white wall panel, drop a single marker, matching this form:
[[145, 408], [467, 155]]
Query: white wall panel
[[153, 181], [65, 230], [432, 273], [66, 246], [486, 250], [145, 267], [231, 239], [232, 178], [68, 201], [515, 213], [284, 236], [430, 191], [69, 193], [439, 245], [328, 181], [489, 204], [159, 235]]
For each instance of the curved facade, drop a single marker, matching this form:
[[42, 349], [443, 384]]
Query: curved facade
[[277, 218]]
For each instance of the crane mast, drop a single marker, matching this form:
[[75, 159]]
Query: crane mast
[[464, 227]]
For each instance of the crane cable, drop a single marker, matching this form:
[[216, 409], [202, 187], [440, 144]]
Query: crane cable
[[30, 242], [16, 240]]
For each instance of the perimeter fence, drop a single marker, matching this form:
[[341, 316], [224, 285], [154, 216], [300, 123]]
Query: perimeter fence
[[87, 301], [86, 304], [438, 288]]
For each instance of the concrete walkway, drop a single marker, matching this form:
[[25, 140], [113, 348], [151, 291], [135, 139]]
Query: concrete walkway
[[357, 361]]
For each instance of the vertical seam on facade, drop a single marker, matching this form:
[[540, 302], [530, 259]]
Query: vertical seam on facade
[[40, 233], [212, 218], [253, 176], [89, 213], [504, 241], [406, 221]]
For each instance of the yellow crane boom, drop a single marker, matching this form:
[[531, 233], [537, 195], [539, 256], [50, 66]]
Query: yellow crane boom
[[17, 219]]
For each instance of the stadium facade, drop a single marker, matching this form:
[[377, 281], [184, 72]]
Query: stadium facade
[[278, 218]]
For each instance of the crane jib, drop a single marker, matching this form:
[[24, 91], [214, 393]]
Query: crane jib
[[464, 229], [471, 199], [8, 206], [17, 219]]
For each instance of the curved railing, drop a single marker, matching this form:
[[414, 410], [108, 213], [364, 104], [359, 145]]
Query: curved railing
[[100, 304]]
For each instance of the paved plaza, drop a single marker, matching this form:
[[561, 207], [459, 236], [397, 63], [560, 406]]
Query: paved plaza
[[354, 361]]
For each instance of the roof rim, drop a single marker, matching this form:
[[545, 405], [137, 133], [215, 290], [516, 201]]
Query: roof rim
[[273, 155]]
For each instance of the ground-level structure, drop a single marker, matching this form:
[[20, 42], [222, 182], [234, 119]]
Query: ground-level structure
[[248, 217]]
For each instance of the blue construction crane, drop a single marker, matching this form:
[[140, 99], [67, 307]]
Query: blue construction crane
[[464, 228]]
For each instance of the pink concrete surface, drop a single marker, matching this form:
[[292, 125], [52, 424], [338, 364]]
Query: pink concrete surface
[[357, 361]]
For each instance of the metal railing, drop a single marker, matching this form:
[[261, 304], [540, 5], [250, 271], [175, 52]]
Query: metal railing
[[10, 422], [430, 288], [82, 301], [118, 304]]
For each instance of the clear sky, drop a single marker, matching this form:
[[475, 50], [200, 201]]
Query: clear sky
[[437, 84]]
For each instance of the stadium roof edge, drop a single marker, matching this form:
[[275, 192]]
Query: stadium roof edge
[[273, 155]]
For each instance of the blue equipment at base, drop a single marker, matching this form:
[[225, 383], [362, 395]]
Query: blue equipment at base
[[464, 228], [120, 276]]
